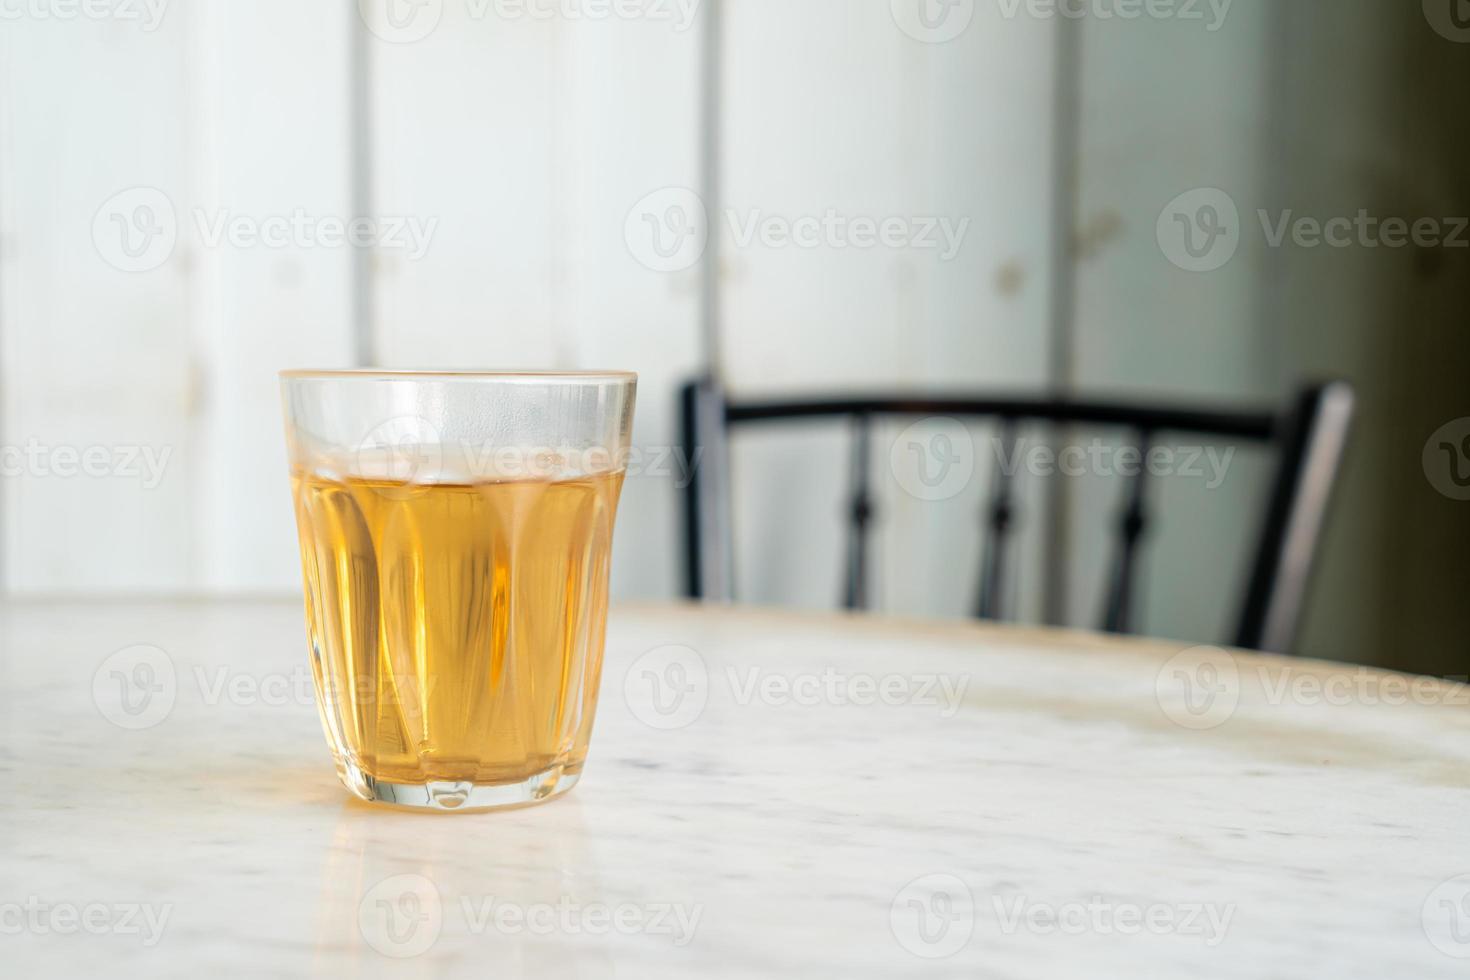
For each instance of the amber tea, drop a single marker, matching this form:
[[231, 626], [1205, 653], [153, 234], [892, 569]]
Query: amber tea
[[456, 630]]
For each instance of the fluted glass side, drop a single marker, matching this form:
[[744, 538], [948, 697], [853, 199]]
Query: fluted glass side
[[456, 589]]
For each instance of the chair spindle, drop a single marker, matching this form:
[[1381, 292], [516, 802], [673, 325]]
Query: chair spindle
[[1000, 516], [1118, 616], [860, 514]]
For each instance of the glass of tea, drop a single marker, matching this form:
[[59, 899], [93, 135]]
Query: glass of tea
[[454, 531]]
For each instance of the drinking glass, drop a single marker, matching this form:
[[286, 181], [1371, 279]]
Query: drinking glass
[[454, 531]]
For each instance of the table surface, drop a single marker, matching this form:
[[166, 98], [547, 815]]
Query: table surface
[[768, 794]]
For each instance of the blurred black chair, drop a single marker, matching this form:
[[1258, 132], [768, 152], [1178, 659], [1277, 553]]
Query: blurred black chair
[[1310, 436]]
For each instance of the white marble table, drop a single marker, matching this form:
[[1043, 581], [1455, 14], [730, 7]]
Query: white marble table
[[768, 794]]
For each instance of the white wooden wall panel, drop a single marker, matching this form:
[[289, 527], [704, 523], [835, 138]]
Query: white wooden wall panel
[[833, 105], [226, 111], [94, 356], [462, 136], [524, 144], [271, 104], [530, 141], [1146, 327], [629, 126], [1363, 90], [521, 144]]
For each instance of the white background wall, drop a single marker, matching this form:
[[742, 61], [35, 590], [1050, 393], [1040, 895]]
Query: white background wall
[[531, 146], [833, 105], [526, 141]]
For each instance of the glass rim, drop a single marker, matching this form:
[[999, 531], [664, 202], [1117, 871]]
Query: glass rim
[[457, 374]]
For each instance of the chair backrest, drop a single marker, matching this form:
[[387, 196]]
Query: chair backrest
[[1310, 435]]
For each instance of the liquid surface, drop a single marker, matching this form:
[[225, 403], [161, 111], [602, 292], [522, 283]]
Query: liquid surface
[[456, 631]]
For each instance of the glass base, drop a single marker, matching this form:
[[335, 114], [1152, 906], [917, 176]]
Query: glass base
[[460, 797]]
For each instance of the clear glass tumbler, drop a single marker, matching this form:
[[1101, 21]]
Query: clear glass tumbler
[[455, 530]]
